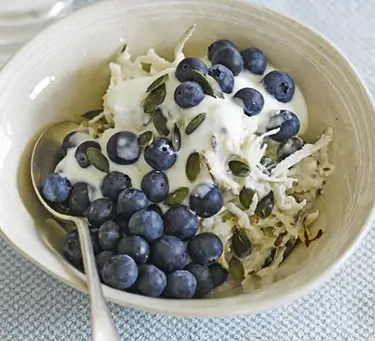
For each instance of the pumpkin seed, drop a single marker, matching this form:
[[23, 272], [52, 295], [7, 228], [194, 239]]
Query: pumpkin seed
[[154, 99], [195, 123], [92, 114], [160, 122], [265, 206], [241, 245], [208, 83], [176, 138], [289, 247], [228, 216], [157, 82], [218, 93], [236, 269], [146, 138], [97, 159], [246, 197], [124, 48], [177, 197], [239, 168], [193, 166], [270, 259], [268, 164]]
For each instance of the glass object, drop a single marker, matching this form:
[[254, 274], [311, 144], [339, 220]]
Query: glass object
[[20, 20]]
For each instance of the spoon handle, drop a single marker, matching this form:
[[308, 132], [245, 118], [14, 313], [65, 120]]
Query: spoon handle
[[102, 327]]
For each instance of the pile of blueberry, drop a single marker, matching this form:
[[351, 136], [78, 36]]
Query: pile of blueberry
[[227, 62], [137, 247]]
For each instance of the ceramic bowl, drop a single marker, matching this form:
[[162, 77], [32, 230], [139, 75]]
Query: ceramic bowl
[[64, 72]]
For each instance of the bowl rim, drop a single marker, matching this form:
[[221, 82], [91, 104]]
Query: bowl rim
[[206, 307]]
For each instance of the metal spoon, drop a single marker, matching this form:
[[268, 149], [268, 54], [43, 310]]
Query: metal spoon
[[43, 162]]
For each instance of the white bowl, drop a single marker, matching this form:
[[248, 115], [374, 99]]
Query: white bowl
[[64, 72]]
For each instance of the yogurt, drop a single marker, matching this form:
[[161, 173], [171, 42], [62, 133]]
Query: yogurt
[[222, 135]]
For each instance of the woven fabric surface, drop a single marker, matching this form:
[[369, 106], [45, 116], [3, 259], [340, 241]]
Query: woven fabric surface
[[36, 307]]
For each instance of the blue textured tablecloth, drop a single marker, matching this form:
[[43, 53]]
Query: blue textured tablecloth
[[35, 307]]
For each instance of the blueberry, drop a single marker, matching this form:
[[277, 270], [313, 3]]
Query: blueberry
[[81, 153], [100, 211], [123, 223], [186, 65], [205, 248], [56, 188], [180, 284], [168, 253], [94, 234], [218, 273], [206, 200], [250, 100], [151, 281], [113, 183], [254, 60], [204, 279], [223, 76], [120, 272], [72, 248], [160, 154], [102, 258], [147, 224], [109, 235], [135, 247], [289, 147], [217, 45], [155, 185], [123, 148], [129, 201], [287, 122], [67, 143], [188, 95], [229, 57], [180, 222], [156, 208], [280, 85], [79, 199]]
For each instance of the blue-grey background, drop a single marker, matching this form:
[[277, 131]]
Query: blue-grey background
[[35, 307]]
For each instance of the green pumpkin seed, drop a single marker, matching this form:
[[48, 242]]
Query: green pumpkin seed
[[195, 123], [208, 84], [241, 245], [154, 99], [239, 168], [193, 166], [236, 269], [246, 197], [92, 114], [157, 82], [124, 48], [270, 259], [176, 138], [289, 247], [229, 217], [160, 122], [97, 159], [265, 206], [177, 197], [268, 164], [146, 138]]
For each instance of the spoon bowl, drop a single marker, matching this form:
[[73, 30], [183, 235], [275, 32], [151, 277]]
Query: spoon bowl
[[43, 162]]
